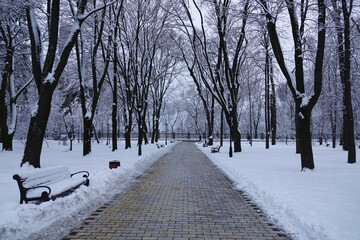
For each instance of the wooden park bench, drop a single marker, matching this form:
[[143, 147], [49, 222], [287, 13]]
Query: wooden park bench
[[160, 145], [215, 149], [49, 183]]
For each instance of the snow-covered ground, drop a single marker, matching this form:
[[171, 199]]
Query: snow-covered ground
[[321, 204], [53, 219]]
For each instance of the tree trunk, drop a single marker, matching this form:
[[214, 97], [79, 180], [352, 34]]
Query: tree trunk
[[6, 137], [307, 160], [128, 128], [236, 134], [237, 139], [267, 91], [114, 125], [87, 135], [211, 122], [154, 129], [37, 126], [298, 145], [222, 128], [7, 140], [349, 138], [140, 136], [127, 136], [344, 53], [145, 129], [115, 101], [272, 106]]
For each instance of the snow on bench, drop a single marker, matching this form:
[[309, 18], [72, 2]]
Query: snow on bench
[[160, 145], [48, 183], [215, 149]]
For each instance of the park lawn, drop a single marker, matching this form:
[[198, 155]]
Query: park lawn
[[319, 204]]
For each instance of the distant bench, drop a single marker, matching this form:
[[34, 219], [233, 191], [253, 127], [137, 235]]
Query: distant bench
[[215, 149], [160, 145], [49, 183]]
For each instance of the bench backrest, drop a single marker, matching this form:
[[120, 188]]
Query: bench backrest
[[44, 176]]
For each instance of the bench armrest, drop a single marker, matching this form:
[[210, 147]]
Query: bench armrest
[[41, 187], [85, 175]]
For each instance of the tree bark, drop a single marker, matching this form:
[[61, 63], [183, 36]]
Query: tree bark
[[127, 133], [221, 127], [211, 122], [87, 135], [267, 92], [307, 159], [140, 136], [115, 100], [6, 137], [37, 126], [344, 53], [272, 105], [236, 135]]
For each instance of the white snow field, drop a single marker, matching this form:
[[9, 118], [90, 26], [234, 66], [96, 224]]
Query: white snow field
[[323, 204], [53, 219]]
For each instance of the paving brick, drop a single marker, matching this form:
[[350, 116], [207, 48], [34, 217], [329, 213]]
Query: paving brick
[[183, 196]]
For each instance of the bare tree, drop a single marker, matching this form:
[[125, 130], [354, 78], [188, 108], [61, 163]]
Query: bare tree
[[273, 119], [46, 72], [114, 15], [165, 71], [12, 35], [304, 103], [221, 77], [89, 102], [344, 55]]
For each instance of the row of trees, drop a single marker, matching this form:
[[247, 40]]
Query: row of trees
[[219, 51], [122, 44], [122, 59]]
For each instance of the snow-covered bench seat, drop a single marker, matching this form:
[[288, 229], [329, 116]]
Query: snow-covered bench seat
[[49, 183], [215, 149], [160, 145]]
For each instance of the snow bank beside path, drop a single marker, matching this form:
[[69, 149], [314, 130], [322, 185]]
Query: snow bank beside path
[[320, 204], [50, 220]]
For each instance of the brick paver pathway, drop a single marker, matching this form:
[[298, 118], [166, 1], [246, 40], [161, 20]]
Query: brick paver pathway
[[183, 196]]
